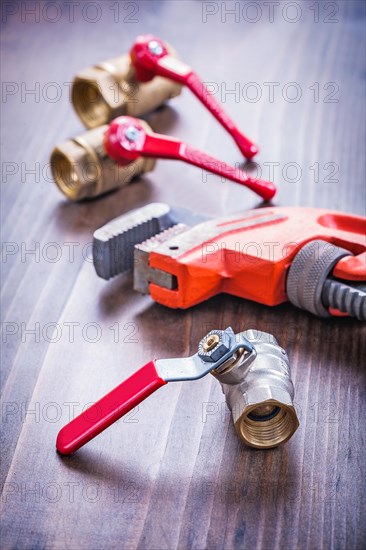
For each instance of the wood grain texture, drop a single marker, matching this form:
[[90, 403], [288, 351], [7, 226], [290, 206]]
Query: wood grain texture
[[167, 476]]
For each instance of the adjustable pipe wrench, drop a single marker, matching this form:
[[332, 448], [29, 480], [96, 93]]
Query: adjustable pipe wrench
[[314, 258], [254, 373]]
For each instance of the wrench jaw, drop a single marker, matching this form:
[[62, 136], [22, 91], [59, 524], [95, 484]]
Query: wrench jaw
[[188, 291], [144, 274], [205, 261], [137, 240], [168, 281], [162, 266], [114, 243]]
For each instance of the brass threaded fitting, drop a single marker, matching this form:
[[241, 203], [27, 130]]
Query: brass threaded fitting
[[265, 434], [82, 169], [109, 89]]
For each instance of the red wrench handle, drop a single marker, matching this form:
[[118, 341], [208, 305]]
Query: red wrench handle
[[126, 140], [109, 409], [149, 62]]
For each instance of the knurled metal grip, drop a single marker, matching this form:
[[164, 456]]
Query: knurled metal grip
[[308, 273]]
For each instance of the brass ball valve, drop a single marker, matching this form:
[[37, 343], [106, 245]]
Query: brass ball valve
[[111, 88], [136, 84], [82, 168], [108, 157]]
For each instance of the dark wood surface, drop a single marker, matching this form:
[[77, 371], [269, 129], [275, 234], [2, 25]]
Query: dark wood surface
[[167, 477]]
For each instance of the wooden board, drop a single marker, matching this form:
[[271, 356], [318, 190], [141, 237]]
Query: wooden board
[[170, 475]]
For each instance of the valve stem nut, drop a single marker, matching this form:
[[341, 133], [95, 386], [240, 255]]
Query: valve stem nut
[[214, 345]]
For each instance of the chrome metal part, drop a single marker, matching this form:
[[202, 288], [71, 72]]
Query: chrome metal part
[[132, 133], [143, 273], [259, 392], [214, 345], [193, 368], [254, 373], [155, 47], [113, 244]]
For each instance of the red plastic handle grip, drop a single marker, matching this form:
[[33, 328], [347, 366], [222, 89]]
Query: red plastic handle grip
[[246, 146], [265, 189], [149, 63], [124, 149], [109, 409]]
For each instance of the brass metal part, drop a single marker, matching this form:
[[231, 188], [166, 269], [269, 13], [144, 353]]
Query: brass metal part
[[82, 169], [109, 89], [259, 393], [267, 432], [211, 341]]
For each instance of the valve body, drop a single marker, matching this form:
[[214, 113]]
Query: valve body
[[110, 89], [260, 393], [82, 169]]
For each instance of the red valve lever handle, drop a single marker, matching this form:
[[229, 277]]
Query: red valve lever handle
[[126, 140], [150, 57], [109, 409]]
